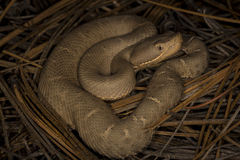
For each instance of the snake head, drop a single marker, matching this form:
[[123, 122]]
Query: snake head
[[156, 49]]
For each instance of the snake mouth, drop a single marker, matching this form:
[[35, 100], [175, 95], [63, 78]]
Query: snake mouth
[[171, 47]]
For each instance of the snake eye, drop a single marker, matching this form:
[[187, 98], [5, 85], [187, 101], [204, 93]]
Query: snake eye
[[160, 47]]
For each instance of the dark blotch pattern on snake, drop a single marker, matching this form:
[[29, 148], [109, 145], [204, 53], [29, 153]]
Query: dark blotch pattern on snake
[[96, 61]]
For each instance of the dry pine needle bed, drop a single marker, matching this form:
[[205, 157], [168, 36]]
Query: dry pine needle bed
[[204, 125]]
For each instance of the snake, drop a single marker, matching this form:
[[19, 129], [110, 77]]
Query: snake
[[97, 62]]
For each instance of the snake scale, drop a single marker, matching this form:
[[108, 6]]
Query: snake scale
[[96, 61]]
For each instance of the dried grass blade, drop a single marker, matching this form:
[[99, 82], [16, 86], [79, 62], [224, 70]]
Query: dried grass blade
[[17, 105], [194, 13], [38, 18]]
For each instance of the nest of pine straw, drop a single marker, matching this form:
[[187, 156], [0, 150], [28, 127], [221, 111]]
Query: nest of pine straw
[[204, 125]]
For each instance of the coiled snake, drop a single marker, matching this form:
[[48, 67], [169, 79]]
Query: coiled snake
[[108, 49]]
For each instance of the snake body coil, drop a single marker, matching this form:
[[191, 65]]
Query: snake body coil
[[84, 58]]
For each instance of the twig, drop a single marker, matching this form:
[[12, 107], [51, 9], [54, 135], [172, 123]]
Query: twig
[[214, 99], [18, 57], [6, 9], [223, 132], [36, 19], [194, 13]]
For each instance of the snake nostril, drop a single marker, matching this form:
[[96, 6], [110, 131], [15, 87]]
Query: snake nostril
[[160, 47]]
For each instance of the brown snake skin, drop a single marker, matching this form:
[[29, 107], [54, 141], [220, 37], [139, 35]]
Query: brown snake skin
[[109, 75]]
